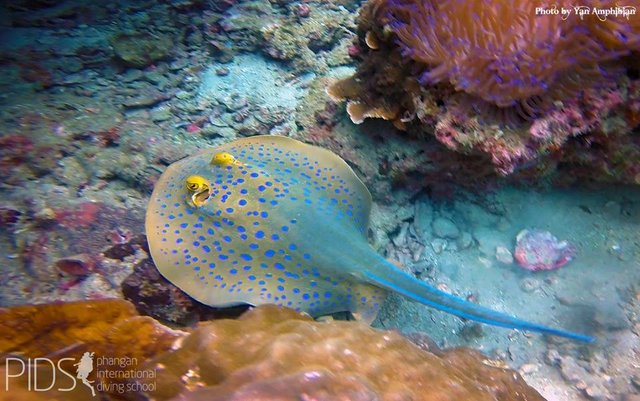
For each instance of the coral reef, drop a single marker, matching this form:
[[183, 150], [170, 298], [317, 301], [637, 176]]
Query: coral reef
[[429, 80], [267, 352], [95, 134], [102, 326], [314, 42], [506, 54], [273, 352], [310, 36], [84, 137], [64, 332]]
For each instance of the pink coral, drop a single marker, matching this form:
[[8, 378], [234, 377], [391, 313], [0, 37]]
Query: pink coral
[[440, 69], [540, 250]]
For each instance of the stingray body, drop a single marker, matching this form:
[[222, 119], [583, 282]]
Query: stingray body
[[270, 219]]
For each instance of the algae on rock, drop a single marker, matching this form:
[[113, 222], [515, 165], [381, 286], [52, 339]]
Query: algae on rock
[[141, 49]]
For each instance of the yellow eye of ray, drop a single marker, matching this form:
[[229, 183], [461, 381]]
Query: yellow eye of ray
[[200, 189], [225, 159]]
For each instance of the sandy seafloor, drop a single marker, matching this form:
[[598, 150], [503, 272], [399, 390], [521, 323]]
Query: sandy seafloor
[[597, 293]]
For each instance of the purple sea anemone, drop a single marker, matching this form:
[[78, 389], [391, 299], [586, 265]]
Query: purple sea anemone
[[509, 53]]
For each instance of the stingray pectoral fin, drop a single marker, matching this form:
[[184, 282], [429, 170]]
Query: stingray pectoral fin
[[366, 305], [404, 284]]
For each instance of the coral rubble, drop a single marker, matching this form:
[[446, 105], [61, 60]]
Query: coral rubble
[[155, 296]]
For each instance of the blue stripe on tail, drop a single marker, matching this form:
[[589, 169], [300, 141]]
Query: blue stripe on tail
[[455, 306]]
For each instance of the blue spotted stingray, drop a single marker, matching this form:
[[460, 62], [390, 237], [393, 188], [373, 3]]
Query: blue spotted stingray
[[269, 219]]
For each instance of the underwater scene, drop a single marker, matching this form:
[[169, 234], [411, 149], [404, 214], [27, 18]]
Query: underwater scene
[[318, 200]]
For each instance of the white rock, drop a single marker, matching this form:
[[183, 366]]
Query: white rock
[[422, 219], [465, 240], [503, 255], [439, 245], [445, 228]]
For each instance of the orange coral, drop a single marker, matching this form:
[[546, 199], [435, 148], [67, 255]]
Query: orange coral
[[109, 328], [276, 353], [269, 353]]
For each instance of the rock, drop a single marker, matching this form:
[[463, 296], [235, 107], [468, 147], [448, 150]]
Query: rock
[[597, 391], [401, 237], [612, 208], [571, 370], [485, 262], [9, 215], [421, 267], [71, 65], [487, 240], [580, 378], [219, 120], [422, 219], [153, 295], [475, 215], [145, 99], [132, 74], [71, 172], [439, 245], [503, 255], [77, 265], [161, 113], [179, 64], [528, 368], [234, 102], [465, 240], [155, 78], [184, 95], [209, 131], [445, 228], [530, 284], [611, 317], [250, 127], [503, 224], [140, 49], [77, 78]]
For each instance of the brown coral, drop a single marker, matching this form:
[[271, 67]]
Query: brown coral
[[275, 353], [109, 328], [269, 353]]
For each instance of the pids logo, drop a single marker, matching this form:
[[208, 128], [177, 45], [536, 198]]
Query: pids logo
[[112, 375], [84, 367]]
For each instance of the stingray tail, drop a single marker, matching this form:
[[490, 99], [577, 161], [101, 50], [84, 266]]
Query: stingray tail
[[407, 285]]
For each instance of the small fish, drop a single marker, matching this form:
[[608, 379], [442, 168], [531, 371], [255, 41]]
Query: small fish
[[269, 219]]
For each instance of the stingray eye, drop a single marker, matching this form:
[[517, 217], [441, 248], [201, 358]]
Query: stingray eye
[[196, 183], [200, 189], [224, 159]]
